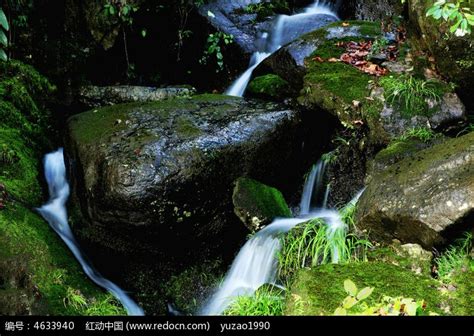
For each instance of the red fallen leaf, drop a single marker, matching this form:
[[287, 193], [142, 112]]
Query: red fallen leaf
[[361, 53], [346, 58], [318, 59], [359, 63]]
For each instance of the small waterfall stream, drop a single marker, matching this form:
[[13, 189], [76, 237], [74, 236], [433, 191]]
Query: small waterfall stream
[[257, 264], [286, 28], [55, 213]]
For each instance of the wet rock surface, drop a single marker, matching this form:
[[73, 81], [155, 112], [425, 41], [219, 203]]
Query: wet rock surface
[[425, 199], [96, 96], [163, 172]]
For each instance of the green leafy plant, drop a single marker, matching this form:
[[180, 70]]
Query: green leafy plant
[[330, 158], [214, 47], [410, 94], [458, 14], [264, 302], [75, 299], [4, 27], [7, 155], [378, 46], [105, 307], [355, 303], [122, 12], [421, 133], [315, 243], [454, 258]]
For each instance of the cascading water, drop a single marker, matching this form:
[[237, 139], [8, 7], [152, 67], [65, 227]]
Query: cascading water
[[54, 212], [286, 28], [256, 264]]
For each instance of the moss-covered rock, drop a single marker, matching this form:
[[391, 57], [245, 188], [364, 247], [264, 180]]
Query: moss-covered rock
[[320, 290], [38, 274], [269, 86], [313, 64], [257, 204], [399, 149], [426, 198]]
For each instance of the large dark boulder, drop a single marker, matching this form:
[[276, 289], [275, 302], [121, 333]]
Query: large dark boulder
[[159, 176], [427, 198]]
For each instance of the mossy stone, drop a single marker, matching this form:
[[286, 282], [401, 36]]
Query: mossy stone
[[320, 290], [257, 204], [269, 86]]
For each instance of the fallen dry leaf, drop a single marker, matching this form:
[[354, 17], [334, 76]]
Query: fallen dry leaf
[[333, 60], [318, 59], [346, 24]]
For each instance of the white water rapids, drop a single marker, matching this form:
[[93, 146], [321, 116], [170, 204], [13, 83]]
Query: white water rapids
[[56, 214], [257, 263], [285, 29]]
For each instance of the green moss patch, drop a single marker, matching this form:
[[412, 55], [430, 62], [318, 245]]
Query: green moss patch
[[253, 199], [38, 274], [319, 291], [269, 86]]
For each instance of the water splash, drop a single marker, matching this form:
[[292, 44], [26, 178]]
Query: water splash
[[55, 213], [285, 29]]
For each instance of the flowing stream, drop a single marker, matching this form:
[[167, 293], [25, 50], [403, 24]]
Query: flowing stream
[[257, 263], [56, 214], [286, 28]]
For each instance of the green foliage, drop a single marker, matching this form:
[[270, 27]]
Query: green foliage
[[23, 93], [108, 306], [330, 158], [411, 95], [264, 302], [7, 155], [421, 133], [4, 27], [75, 299], [121, 10], [314, 243], [454, 258], [269, 86], [378, 46], [267, 8], [354, 303], [214, 47], [458, 14], [316, 286]]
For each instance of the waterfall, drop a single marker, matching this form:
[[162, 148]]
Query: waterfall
[[286, 28], [256, 264], [312, 186], [55, 213]]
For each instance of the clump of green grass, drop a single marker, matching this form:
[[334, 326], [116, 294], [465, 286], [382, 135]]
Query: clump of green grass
[[411, 95], [315, 243], [108, 306], [454, 258], [421, 133], [264, 302]]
